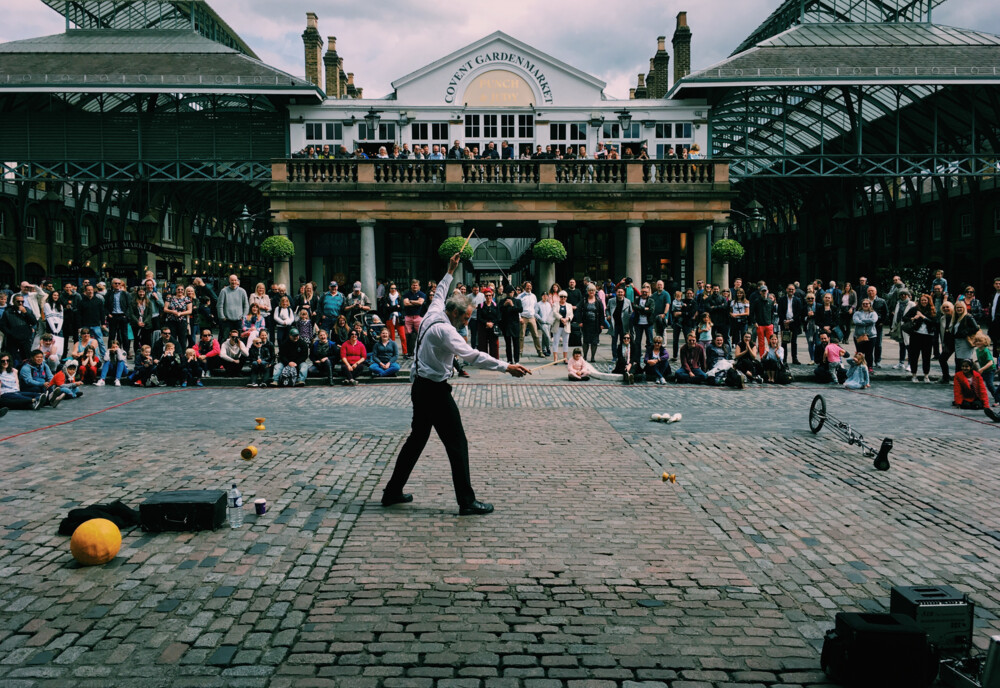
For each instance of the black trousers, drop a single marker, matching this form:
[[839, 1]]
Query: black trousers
[[433, 407], [118, 329]]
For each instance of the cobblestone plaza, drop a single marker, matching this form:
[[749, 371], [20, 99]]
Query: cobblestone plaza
[[592, 571]]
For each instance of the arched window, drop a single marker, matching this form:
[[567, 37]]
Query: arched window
[[491, 249]]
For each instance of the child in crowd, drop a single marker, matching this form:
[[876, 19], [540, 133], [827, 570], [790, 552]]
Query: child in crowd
[[114, 361], [144, 366], [985, 364], [65, 380], [261, 357], [705, 329], [857, 373], [305, 326], [170, 369], [89, 365], [578, 368], [192, 368], [833, 353]]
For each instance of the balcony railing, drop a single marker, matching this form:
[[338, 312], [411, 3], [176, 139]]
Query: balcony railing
[[518, 173]]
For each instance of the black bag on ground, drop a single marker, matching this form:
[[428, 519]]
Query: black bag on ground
[[116, 512], [184, 510], [783, 376], [878, 650]]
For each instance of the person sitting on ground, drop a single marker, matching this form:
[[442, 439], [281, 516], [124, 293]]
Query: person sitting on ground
[[90, 365], [577, 368], [627, 360], [192, 368], [341, 331], [144, 366], [829, 355], [657, 361], [692, 362], [261, 357], [720, 369], [169, 367], [858, 376], [11, 395], [324, 354], [52, 349], [970, 390], [66, 382], [293, 353], [114, 362], [352, 355], [383, 356], [160, 345], [747, 359], [232, 354], [35, 375], [82, 344], [773, 359]]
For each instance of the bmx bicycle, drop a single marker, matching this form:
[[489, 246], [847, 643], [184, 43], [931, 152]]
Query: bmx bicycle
[[818, 417]]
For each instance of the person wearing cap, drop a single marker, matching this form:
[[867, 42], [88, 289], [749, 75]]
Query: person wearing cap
[[292, 352], [330, 306], [357, 303], [762, 315], [437, 344]]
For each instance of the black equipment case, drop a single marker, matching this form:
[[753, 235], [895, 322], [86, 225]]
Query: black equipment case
[[878, 650], [183, 510]]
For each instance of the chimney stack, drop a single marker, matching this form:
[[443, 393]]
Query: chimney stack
[[314, 49], [640, 87], [331, 63], [682, 48]]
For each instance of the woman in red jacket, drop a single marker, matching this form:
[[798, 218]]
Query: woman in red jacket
[[970, 389], [352, 358]]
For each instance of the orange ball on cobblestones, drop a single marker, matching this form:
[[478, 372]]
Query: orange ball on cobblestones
[[95, 542]]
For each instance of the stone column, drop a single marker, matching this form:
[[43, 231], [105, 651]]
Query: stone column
[[633, 251], [701, 254], [368, 257], [455, 230], [546, 270], [282, 273], [298, 237]]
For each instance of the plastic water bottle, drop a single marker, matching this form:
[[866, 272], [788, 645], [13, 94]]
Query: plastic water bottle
[[235, 508]]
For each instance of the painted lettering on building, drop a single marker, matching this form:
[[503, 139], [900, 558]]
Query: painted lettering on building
[[466, 68]]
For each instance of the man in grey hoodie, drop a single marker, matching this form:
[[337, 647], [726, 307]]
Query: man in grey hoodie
[[232, 306]]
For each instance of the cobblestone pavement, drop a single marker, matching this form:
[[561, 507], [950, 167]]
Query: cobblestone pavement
[[592, 571]]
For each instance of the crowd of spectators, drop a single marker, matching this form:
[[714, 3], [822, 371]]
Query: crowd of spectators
[[56, 342]]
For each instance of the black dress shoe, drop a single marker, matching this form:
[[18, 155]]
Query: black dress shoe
[[992, 415], [475, 509], [389, 500]]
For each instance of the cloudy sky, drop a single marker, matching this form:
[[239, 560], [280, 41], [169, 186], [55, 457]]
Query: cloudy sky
[[384, 40]]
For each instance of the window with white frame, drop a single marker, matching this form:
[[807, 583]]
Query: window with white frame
[[84, 234], [167, 234], [334, 131], [324, 131], [965, 228], [429, 131], [936, 229], [314, 131], [507, 127], [58, 231], [386, 132], [472, 124], [490, 129], [107, 231], [678, 131], [31, 228], [525, 126], [572, 131]]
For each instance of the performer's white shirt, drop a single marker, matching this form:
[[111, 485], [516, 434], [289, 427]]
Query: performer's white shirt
[[440, 342]]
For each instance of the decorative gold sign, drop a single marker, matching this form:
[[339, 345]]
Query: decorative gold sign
[[499, 88]]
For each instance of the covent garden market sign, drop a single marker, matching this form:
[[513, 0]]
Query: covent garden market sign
[[498, 57]]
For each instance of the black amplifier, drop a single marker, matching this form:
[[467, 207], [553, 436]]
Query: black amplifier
[[878, 651], [182, 510], [941, 610]]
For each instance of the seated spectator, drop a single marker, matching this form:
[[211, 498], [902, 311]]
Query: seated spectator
[[144, 366], [166, 337], [577, 368], [114, 362], [721, 370], [292, 353], [90, 366], [82, 344], [206, 351], [261, 358], [252, 323], [773, 358], [341, 331], [66, 382], [192, 368], [324, 355], [627, 360], [829, 355], [657, 361], [11, 395], [692, 362], [858, 376], [716, 351], [747, 359], [169, 367], [969, 388], [232, 354], [35, 375], [52, 349], [352, 355], [384, 355]]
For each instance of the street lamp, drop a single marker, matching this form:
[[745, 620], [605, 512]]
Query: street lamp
[[404, 119], [52, 203], [596, 120], [372, 119], [147, 226], [625, 120], [245, 221], [757, 220]]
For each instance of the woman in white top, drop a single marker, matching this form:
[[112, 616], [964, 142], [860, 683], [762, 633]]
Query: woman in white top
[[284, 316], [53, 310], [562, 323]]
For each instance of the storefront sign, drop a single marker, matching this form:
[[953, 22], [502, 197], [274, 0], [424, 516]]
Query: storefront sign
[[127, 245], [496, 57]]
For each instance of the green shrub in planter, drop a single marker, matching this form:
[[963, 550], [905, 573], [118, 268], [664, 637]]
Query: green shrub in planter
[[277, 247], [549, 251], [727, 251], [453, 245]]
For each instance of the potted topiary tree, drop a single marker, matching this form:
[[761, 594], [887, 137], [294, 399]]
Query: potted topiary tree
[[547, 252], [724, 252], [453, 245], [279, 249]]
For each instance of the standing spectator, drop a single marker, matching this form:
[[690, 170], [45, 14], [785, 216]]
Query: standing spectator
[[574, 296], [383, 356], [488, 318], [642, 317], [510, 324], [660, 309], [762, 315], [140, 316], [155, 304], [308, 300], [71, 320], [284, 316], [352, 356], [413, 302], [848, 303], [964, 328], [331, 304], [946, 338], [864, 321], [792, 313], [263, 301], [294, 353], [527, 321], [18, 327], [562, 327], [391, 308], [881, 308], [356, 304], [544, 317], [718, 310], [175, 313], [903, 306], [116, 307], [55, 318], [985, 364], [477, 300], [324, 355], [92, 315], [233, 305], [620, 316], [591, 317], [203, 291], [993, 316], [810, 327]]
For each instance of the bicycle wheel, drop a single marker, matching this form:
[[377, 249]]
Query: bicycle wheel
[[817, 413]]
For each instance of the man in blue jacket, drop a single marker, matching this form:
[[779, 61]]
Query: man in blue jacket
[[34, 374]]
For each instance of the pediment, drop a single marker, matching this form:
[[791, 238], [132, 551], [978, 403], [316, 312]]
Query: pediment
[[498, 71]]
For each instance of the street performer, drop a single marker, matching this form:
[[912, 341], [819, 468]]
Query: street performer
[[437, 344]]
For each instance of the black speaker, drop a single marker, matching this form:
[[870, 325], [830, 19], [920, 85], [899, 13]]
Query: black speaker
[[182, 510], [878, 651]]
